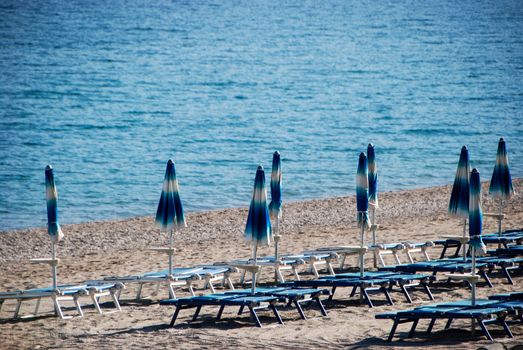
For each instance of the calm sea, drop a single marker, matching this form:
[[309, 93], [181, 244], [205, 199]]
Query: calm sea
[[108, 91]]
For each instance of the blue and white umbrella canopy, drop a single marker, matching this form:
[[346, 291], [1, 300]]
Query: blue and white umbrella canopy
[[459, 199], [501, 182], [362, 186], [475, 214], [170, 214], [51, 195], [372, 175], [258, 229], [276, 200]]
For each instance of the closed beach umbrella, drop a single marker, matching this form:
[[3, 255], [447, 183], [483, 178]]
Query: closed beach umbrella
[[53, 226], [258, 229], [373, 192], [501, 182], [362, 201], [475, 224], [459, 199], [275, 207], [169, 214]]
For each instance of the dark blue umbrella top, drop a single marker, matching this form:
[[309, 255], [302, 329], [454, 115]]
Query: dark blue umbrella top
[[258, 229], [372, 175], [475, 213], [276, 200], [459, 199], [170, 209], [51, 195], [362, 185], [501, 182]]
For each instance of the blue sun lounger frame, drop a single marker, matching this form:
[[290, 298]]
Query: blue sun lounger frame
[[485, 312], [243, 298]]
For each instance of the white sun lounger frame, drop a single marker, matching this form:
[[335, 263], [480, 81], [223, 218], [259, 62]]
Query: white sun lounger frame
[[94, 290]]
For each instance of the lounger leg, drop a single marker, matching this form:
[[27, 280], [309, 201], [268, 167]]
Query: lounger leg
[[397, 258], [487, 279], [431, 325], [300, 310], [157, 292], [320, 305], [353, 291], [279, 275], [242, 277], [241, 310], [211, 287], [175, 316], [393, 330], [276, 313], [443, 251], [255, 316], [219, 316], [485, 330], [58, 308], [406, 293], [387, 295], [425, 254], [196, 313], [505, 327], [380, 257], [229, 282], [449, 322], [505, 272], [139, 291], [18, 306], [114, 295], [79, 307], [456, 254], [315, 270], [366, 296], [342, 264], [413, 328], [333, 290], [295, 271], [95, 302], [1, 303], [329, 267], [37, 306], [427, 290]]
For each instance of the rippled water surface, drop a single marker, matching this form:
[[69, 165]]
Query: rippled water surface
[[108, 91]]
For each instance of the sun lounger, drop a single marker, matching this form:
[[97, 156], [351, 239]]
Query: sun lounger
[[313, 260], [253, 303], [365, 286], [446, 265], [409, 248], [292, 296], [403, 280], [516, 250], [483, 313], [93, 289], [181, 277]]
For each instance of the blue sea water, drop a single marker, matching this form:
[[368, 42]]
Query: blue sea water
[[108, 91]]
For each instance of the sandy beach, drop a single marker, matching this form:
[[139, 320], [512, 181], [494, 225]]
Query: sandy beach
[[95, 249]]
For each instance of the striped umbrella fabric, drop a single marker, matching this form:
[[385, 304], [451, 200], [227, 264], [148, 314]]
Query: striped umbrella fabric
[[475, 214], [372, 175], [276, 200], [53, 226], [501, 182], [362, 192], [258, 229], [170, 214], [459, 199]]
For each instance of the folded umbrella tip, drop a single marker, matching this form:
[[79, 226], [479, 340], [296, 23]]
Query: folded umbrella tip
[[48, 167], [276, 153], [260, 168], [501, 139], [362, 155], [464, 148], [370, 145], [474, 171], [170, 161]]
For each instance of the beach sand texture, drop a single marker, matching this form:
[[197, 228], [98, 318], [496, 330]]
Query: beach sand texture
[[96, 249]]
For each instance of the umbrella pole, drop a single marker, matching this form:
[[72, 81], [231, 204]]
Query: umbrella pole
[[53, 266], [473, 273], [373, 227], [361, 254], [276, 243], [171, 253], [499, 219], [255, 249], [464, 244]]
